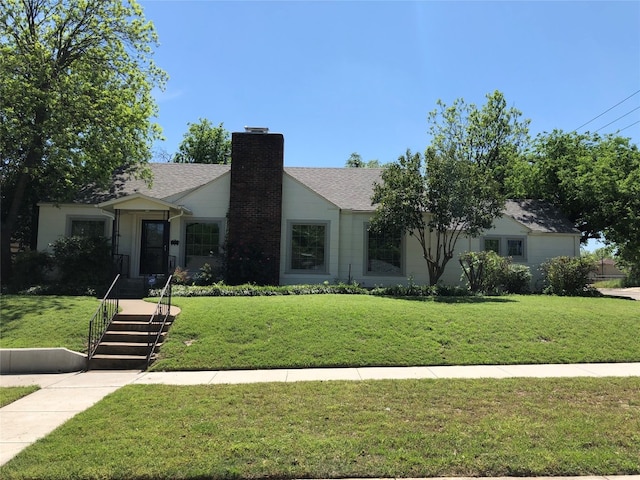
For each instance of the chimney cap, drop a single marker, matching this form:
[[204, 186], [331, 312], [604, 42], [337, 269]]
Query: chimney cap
[[256, 129]]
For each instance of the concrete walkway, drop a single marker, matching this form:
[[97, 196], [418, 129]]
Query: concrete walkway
[[630, 292], [64, 395]]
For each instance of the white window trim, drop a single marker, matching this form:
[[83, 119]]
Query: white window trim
[[289, 254], [87, 218], [183, 234], [366, 271]]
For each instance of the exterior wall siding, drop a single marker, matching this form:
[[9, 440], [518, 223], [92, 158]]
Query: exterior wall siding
[[301, 205], [53, 222]]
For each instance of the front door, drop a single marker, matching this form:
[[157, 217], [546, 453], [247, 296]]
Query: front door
[[154, 250]]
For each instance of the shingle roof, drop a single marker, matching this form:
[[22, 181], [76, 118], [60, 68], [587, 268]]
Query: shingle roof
[[539, 216], [347, 188], [169, 180]]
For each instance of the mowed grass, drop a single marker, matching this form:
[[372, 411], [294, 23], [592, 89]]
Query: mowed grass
[[408, 428], [11, 394], [45, 321], [355, 330]]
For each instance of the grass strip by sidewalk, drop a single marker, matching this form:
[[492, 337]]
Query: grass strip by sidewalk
[[409, 428], [11, 394], [356, 330]]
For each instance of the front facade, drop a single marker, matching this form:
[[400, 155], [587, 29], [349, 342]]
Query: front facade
[[282, 224]]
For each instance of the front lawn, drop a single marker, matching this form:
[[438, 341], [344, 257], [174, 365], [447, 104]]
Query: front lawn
[[408, 428], [45, 321], [357, 330]]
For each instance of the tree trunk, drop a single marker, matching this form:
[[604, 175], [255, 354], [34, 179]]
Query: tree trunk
[[9, 225]]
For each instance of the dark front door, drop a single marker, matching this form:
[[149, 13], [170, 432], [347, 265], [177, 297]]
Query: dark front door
[[154, 250]]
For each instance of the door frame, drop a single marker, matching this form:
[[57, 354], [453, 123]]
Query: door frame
[[165, 245]]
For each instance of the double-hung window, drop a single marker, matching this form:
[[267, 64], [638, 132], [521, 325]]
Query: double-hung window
[[308, 250], [202, 243]]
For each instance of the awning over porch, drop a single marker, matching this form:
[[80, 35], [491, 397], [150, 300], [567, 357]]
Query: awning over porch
[[140, 202]]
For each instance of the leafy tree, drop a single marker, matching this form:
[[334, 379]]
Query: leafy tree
[[76, 80], [595, 181], [457, 189], [355, 161], [204, 143]]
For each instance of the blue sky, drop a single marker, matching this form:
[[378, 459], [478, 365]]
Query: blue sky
[[337, 77]]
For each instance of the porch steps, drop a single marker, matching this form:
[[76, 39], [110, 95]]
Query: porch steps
[[132, 288], [125, 344]]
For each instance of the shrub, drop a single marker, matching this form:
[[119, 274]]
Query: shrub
[[568, 276], [204, 276], [517, 279], [82, 261], [30, 269], [221, 290], [489, 273], [181, 277]]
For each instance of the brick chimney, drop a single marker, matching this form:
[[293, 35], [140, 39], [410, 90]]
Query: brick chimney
[[255, 207]]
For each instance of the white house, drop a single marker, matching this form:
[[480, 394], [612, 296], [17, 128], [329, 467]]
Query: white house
[[298, 225]]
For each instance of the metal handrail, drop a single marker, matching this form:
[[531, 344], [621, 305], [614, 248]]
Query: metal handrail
[[163, 309], [98, 324]]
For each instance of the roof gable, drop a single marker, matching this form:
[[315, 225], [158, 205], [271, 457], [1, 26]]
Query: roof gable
[[347, 188], [539, 216], [170, 181]]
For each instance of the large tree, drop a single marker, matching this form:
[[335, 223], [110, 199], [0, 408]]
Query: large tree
[[458, 189], [595, 181], [76, 80], [204, 143]]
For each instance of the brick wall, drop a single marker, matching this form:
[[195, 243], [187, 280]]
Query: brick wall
[[255, 208]]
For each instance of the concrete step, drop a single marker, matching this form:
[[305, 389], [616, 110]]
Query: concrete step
[[125, 344], [131, 336], [123, 348], [132, 288], [137, 326], [118, 362]]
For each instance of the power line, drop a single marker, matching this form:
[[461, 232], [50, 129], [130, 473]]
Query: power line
[[634, 123], [622, 101], [614, 121]]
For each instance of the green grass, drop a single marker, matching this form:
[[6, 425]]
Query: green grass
[[11, 394], [345, 330], [45, 321], [614, 283], [409, 428]]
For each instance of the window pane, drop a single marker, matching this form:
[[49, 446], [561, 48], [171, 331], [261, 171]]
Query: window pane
[[492, 244], [384, 253], [515, 248], [202, 239], [87, 228], [202, 245], [307, 247]]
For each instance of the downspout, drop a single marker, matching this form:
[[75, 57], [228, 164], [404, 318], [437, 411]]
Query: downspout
[[113, 228], [176, 216], [114, 232], [169, 222]]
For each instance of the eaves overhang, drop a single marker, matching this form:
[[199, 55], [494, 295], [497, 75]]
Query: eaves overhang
[[139, 201]]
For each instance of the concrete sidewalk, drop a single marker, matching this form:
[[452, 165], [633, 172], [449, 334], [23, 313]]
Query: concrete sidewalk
[[630, 292], [64, 395]]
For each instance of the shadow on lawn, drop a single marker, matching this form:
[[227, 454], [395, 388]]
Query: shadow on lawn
[[469, 299]]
